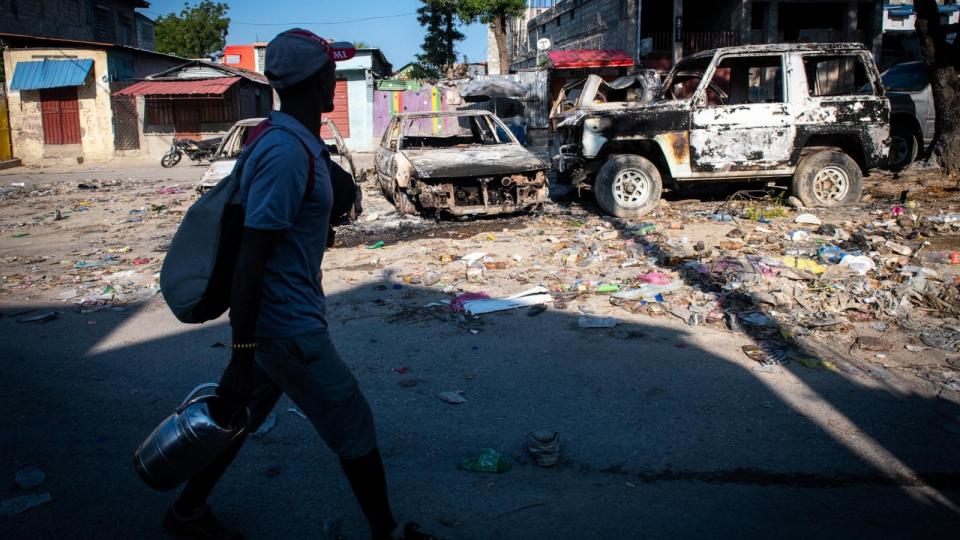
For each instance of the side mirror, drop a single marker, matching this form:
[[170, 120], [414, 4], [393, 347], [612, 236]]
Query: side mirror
[[701, 101], [393, 145]]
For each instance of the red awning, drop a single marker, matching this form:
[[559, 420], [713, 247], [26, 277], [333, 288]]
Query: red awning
[[588, 58], [205, 87]]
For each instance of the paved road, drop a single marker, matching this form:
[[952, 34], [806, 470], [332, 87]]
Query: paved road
[[668, 431]]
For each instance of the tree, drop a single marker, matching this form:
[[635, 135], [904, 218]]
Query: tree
[[943, 62], [196, 32], [439, 44], [495, 13], [360, 45]]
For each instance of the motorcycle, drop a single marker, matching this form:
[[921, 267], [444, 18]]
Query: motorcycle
[[195, 150]]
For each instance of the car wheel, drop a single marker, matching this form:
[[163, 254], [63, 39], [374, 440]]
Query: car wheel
[[170, 159], [628, 186], [827, 178], [401, 200], [904, 148]]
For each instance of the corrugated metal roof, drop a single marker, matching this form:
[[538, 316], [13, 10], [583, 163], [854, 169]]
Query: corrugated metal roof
[[172, 88], [50, 74], [582, 58]]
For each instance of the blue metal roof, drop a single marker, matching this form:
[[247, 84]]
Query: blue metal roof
[[905, 10], [50, 74]]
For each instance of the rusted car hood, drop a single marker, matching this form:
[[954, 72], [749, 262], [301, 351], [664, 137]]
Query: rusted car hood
[[473, 161]]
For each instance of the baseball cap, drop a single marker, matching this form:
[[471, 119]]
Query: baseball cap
[[296, 54]]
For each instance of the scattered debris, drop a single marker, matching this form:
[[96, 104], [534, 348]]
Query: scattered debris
[[544, 446], [266, 426], [16, 505], [453, 397], [29, 477], [42, 318], [488, 461]]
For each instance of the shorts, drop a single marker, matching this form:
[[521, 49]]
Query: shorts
[[309, 370]]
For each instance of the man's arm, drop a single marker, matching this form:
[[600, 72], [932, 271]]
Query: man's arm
[[245, 293]]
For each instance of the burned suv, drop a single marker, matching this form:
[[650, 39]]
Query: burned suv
[[812, 113]]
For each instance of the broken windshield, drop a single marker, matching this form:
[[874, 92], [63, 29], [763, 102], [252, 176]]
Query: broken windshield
[[455, 132], [684, 79]]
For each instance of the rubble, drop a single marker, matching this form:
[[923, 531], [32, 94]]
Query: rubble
[[732, 266]]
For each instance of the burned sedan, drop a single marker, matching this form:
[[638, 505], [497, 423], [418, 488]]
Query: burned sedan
[[458, 162]]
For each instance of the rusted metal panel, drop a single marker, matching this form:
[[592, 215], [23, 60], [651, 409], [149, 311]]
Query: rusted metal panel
[[341, 112], [208, 87]]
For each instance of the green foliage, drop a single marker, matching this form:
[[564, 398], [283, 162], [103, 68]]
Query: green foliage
[[487, 11], [756, 214], [361, 45], [419, 71], [439, 17], [195, 32]]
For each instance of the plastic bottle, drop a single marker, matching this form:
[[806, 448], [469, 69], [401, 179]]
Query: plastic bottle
[[940, 257], [648, 292]]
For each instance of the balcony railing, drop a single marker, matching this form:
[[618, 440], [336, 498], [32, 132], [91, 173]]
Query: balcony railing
[[694, 41]]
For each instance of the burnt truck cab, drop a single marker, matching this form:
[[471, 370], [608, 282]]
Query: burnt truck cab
[[812, 113]]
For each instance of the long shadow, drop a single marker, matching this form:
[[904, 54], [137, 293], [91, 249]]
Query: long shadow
[[667, 431]]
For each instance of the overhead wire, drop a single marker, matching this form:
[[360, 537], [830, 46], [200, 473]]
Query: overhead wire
[[307, 23]]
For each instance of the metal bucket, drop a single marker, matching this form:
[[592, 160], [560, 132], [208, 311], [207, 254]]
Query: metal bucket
[[184, 443]]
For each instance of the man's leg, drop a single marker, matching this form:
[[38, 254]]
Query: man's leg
[[189, 514], [309, 370]]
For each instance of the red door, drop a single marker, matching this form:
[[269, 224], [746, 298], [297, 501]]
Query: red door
[[60, 113], [341, 112]]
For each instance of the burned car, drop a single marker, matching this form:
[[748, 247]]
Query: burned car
[[457, 162], [235, 141], [813, 114]]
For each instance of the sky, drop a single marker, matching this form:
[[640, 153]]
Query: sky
[[390, 25]]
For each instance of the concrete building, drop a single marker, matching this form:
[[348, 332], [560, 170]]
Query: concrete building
[[249, 57], [102, 21], [353, 100], [900, 43], [196, 100], [60, 98], [662, 31]]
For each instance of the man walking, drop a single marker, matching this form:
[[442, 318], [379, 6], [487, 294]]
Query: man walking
[[277, 313]]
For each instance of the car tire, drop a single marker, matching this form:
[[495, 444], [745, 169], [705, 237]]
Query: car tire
[[904, 146], [628, 186], [827, 178], [402, 202]]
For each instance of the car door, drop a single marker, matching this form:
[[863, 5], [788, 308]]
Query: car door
[[386, 153], [741, 118]]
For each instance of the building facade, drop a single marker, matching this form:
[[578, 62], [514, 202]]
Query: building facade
[[61, 102], [196, 100], [659, 32], [103, 21], [249, 57], [354, 98]]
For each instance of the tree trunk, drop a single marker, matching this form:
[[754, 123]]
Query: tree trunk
[[942, 60], [500, 36], [451, 46]]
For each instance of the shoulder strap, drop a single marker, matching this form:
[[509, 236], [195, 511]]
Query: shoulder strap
[[256, 135]]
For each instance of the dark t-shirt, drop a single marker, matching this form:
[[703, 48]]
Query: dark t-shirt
[[272, 189]]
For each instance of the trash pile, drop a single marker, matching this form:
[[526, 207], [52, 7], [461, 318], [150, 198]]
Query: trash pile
[[94, 245], [788, 278]]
